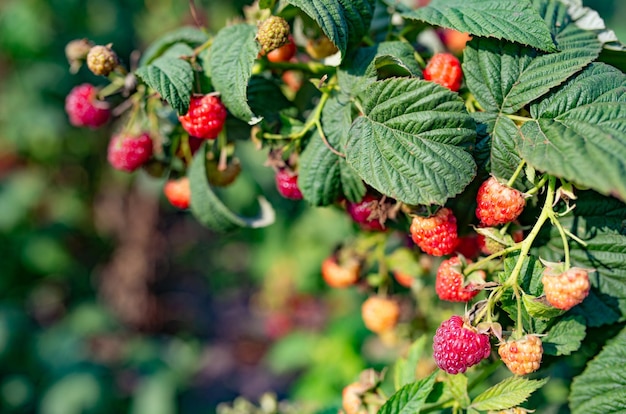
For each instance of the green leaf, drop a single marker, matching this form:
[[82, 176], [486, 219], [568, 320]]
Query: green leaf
[[345, 22], [410, 398], [232, 56], [601, 388], [191, 36], [579, 131], [172, 78], [265, 97], [457, 385], [538, 308], [209, 209], [155, 394], [509, 393], [565, 336], [404, 368], [516, 21], [412, 141]]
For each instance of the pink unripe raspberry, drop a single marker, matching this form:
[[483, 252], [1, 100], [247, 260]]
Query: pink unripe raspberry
[[84, 109], [128, 152], [458, 346]]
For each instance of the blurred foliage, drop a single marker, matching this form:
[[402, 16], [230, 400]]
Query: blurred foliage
[[111, 301]]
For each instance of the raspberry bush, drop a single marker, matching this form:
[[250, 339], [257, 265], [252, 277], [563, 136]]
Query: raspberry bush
[[523, 147]]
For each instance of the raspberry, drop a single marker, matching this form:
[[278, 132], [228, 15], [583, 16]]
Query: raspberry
[[403, 279], [458, 346], [283, 53], [522, 356], [435, 235], [366, 213], [84, 109], [178, 192], [320, 48], [451, 285], [352, 398], [205, 117], [340, 275], [76, 52], [567, 289], [468, 246], [454, 40], [498, 203], [287, 185], [102, 60], [444, 69], [380, 314], [127, 152], [273, 33]]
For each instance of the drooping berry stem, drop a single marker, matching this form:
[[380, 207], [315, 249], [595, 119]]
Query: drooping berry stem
[[516, 174]]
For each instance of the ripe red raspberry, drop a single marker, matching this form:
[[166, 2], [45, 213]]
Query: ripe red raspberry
[[380, 314], [283, 53], [451, 284], [178, 192], [458, 346], [287, 184], [522, 356], [435, 235], [205, 117], [444, 69], [365, 213], [567, 289], [128, 152], [102, 60], [498, 203], [84, 108], [340, 275], [468, 246], [273, 33]]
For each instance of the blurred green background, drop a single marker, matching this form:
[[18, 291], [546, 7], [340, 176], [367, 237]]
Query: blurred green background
[[111, 301]]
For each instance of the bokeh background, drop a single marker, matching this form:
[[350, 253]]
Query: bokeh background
[[112, 301]]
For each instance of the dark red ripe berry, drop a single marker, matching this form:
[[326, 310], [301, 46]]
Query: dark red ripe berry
[[498, 203], [444, 69], [84, 109], [435, 235], [205, 117], [128, 152], [458, 346], [287, 185], [361, 213]]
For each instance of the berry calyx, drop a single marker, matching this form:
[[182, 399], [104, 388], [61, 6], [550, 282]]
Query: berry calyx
[[178, 192], [366, 213], [451, 284], [273, 33], [128, 152], [564, 290], [84, 109], [287, 184], [435, 235], [522, 356], [498, 203], [444, 69], [102, 60], [458, 346], [340, 275], [283, 53], [205, 118], [380, 314]]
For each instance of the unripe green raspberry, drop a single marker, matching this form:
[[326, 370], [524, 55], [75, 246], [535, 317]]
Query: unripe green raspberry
[[102, 60], [273, 33], [76, 52]]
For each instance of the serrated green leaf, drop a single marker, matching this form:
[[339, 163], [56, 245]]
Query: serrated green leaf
[[265, 97], [404, 369], [580, 131], [232, 56], [210, 211], [601, 388], [345, 22], [457, 385], [191, 36], [509, 393], [565, 336], [320, 173], [516, 21], [538, 308], [412, 141], [410, 398], [172, 78]]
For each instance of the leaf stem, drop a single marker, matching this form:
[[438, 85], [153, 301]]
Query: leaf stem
[[519, 118], [479, 264], [314, 68], [516, 174]]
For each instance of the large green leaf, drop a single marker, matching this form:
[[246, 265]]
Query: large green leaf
[[509, 393], [410, 398], [405, 367], [516, 21], [172, 78], [565, 336], [345, 22], [412, 141], [601, 388], [189, 35], [210, 211], [579, 131], [232, 56]]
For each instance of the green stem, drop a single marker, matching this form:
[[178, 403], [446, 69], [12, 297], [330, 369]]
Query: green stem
[[555, 221], [314, 68], [516, 174], [479, 264], [519, 118], [539, 185]]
